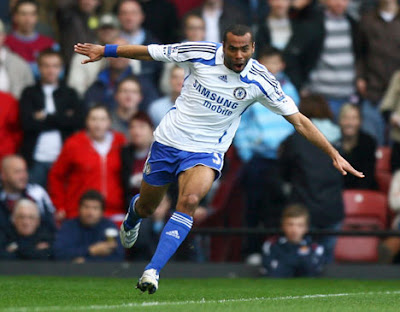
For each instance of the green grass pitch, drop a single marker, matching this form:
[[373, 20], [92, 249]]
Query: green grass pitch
[[29, 293]]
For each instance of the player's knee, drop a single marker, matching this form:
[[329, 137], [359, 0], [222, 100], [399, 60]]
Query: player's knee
[[189, 203]]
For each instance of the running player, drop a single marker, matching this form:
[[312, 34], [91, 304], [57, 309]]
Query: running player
[[221, 81]]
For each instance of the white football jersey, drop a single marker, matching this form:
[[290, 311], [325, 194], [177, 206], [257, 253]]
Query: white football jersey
[[207, 114]]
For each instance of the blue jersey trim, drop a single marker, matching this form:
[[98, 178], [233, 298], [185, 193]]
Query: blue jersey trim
[[203, 61], [247, 80]]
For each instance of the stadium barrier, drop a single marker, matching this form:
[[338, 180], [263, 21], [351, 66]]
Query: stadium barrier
[[271, 232]]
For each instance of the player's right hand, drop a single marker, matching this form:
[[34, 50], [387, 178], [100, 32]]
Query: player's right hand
[[94, 52]]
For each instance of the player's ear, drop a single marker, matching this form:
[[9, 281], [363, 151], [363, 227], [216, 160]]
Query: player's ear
[[253, 45]]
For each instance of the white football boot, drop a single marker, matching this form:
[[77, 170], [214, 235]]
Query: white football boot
[[129, 235], [148, 281]]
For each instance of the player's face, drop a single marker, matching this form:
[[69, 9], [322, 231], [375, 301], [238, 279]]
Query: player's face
[[130, 16], [15, 174], [98, 123], [273, 63], [26, 220], [26, 18], [129, 95], [141, 134], [295, 229], [176, 80], [237, 51], [337, 7], [195, 29], [90, 212], [50, 68], [350, 122]]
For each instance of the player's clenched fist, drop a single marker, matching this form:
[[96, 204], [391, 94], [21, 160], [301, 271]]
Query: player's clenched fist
[[94, 52]]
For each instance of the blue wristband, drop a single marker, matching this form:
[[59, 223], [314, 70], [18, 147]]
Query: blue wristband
[[110, 50]]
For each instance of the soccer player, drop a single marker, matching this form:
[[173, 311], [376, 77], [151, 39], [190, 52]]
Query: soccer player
[[221, 81]]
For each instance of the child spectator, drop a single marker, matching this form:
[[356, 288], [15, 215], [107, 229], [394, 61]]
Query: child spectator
[[90, 159], [50, 112], [25, 40], [90, 236], [26, 239], [293, 255]]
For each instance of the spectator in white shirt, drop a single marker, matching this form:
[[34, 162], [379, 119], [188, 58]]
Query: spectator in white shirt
[[50, 111]]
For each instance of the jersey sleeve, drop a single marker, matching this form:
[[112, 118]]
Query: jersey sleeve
[[273, 97], [183, 52]]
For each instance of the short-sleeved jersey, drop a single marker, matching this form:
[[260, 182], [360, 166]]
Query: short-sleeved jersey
[[207, 114]]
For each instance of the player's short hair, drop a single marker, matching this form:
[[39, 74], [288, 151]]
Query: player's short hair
[[270, 51], [118, 5], [142, 116], [315, 106], [295, 211], [238, 30], [98, 106], [22, 2], [93, 195], [132, 79], [49, 52], [347, 107]]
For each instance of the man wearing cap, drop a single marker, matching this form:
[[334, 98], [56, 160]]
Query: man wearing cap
[[81, 78], [15, 73]]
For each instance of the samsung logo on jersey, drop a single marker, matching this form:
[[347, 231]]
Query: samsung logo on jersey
[[213, 96]]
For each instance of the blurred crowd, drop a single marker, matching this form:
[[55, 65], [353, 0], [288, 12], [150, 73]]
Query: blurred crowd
[[74, 138]]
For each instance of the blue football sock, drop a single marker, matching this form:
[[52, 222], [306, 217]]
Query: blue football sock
[[133, 218], [172, 236]]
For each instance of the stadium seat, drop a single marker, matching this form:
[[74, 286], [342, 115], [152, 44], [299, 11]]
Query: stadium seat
[[382, 156], [366, 204], [383, 179], [364, 210]]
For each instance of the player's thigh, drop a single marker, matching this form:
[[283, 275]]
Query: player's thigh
[[194, 184], [150, 197]]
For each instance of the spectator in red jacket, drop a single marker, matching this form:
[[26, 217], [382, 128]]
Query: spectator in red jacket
[[10, 128], [25, 40], [89, 160]]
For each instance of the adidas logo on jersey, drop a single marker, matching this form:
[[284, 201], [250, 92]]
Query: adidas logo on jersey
[[224, 78], [174, 233]]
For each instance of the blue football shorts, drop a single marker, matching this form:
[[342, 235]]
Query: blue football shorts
[[165, 163]]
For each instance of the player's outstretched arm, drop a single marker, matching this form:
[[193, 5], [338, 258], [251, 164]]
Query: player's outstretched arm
[[96, 52], [305, 127]]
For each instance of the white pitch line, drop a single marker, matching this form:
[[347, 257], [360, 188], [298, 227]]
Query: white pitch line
[[203, 301]]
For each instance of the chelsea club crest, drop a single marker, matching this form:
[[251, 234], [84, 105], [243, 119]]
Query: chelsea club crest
[[239, 93]]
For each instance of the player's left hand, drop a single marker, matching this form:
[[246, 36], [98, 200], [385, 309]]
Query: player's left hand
[[344, 167], [94, 52]]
